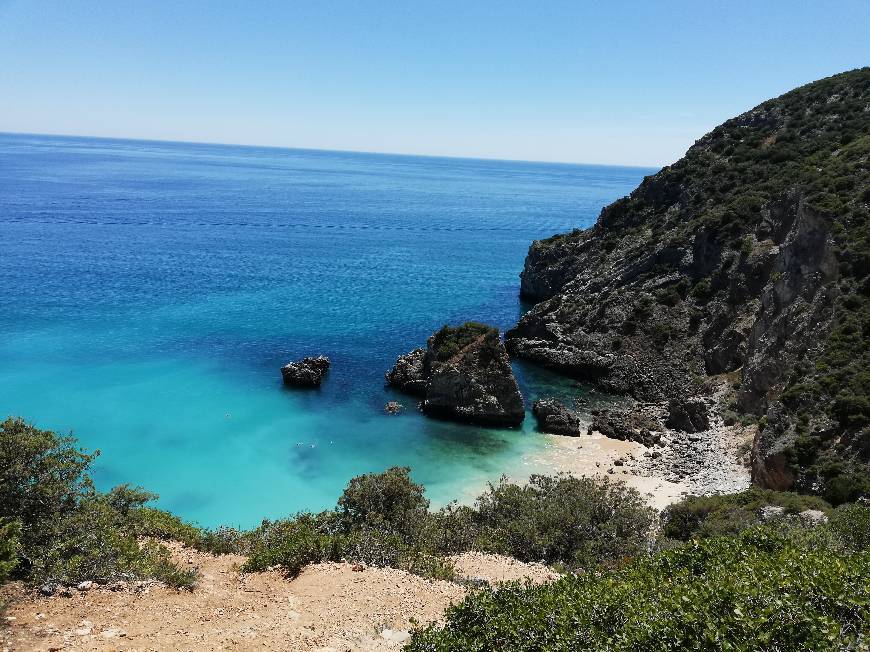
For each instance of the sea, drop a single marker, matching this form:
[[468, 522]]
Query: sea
[[151, 291]]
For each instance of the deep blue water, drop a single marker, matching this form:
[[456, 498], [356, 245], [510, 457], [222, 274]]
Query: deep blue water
[[149, 293]]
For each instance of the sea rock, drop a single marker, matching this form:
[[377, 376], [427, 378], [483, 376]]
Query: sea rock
[[393, 407], [464, 374], [688, 415], [308, 372], [408, 374], [555, 418]]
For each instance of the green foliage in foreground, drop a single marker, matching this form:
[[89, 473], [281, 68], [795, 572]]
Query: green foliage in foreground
[[10, 532], [382, 519], [758, 591], [58, 528]]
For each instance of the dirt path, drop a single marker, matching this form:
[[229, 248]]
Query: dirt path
[[329, 607]]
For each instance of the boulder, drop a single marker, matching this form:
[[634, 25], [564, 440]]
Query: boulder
[[308, 372], [393, 407], [555, 418], [464, 374], [408, 375], [688, 415]]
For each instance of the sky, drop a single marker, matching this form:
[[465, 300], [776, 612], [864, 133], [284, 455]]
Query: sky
[[612, 82]]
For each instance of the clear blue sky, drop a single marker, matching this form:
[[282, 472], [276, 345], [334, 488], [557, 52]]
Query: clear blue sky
[[601, 82]]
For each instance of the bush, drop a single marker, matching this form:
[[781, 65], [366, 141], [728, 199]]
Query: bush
[[10, 533], [562, 519], [450, 340], [851, 525], [382, 520], [42, 478], [68, 531], [291, 544], [760, 591], [709, 516], [388, 501]]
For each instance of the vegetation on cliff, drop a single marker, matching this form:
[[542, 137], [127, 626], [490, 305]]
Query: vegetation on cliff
[[748, 255]]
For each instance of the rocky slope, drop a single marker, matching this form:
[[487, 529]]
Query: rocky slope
[[463, 374], [748, 259]]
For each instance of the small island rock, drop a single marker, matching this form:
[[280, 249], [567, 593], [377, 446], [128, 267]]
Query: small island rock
[[393, 407], [308, 372], [464, 374]]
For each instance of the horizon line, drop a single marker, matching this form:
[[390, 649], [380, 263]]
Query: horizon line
[[336, 151]]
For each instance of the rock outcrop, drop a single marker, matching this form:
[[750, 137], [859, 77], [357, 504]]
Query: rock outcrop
[[464, 374], [393, 407], [308, 372], [688, 415], [408, 374], [746, 258], [555, 418]]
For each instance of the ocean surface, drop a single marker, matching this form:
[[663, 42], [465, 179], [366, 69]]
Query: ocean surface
[[150, 292]]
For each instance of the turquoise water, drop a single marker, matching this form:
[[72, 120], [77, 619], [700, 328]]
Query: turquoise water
[[151, 291]]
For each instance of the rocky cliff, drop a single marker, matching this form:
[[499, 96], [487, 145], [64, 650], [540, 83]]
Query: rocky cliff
[[747, 260], [463, 374]]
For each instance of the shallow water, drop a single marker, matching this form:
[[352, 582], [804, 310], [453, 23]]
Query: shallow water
[[151, 291]]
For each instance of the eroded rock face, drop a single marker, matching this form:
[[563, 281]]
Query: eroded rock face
[[408, 374], [308, 372], [688, 415], [555, 418], [726, 263], [464, 374], [638, 424]]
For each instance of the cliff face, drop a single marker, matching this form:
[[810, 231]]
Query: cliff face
[[748, 257]]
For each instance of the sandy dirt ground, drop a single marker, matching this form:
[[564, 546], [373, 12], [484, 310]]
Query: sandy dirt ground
[[330, 607]]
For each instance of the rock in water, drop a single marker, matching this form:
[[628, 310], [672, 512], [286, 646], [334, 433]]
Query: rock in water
[[555, 418], [393, 407], [408, 374], [308, 372], [464, 374]]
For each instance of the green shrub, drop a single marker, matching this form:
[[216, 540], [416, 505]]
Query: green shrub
[[10, 534], [851, 525], [709, 516], [291, 544], [388, 501], [42, 478], [760, 591], [68, 531], [450, 340], [562, 519]]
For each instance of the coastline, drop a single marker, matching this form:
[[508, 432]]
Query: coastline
[[595, 456]]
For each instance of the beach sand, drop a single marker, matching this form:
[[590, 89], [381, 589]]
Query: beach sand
[[594, 456]]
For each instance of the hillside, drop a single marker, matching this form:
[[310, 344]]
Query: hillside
[[746, 260]]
